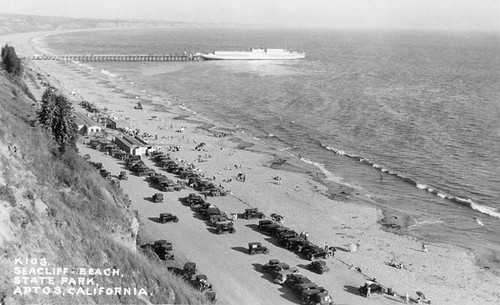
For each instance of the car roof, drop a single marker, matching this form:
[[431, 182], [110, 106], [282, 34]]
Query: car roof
[[189, 265], [308, 285], [161, 242], [320, 262], [311, 291], [254, 243]]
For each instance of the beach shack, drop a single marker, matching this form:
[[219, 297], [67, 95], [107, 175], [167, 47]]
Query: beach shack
[[86, 126], [132, 145]]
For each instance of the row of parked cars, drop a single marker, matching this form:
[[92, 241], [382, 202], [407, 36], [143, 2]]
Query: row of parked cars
[[308, 291], [198, 281], [185, 172], [215, 216], [163, 250], [160, 249], [292, 240]]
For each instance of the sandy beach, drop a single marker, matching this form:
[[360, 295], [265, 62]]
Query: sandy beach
[[329, 212]]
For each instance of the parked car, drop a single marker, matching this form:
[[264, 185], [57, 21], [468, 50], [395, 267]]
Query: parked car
[[264, 223], [225, 227], [123, 175], [316, 297], [256, 247], [294, 279], [163, 249], [318, 266], [374, 288], [200, 282], [189, 270], [253, 213], [158, 197], [282, 275], [275, 265], [168, 217]]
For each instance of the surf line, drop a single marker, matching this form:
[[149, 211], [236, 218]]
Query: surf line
[[469, 202]]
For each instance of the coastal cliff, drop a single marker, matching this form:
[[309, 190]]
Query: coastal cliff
[[63, 230]]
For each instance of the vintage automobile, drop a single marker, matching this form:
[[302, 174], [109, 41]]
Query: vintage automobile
[[294, 279], [105, 174], [256, 247], [158, 197], [264, 223], [316, 297], [224, 227], [318, 266], [189, 270], [193, 199], [200, 282], [374, 288], [167, 217], [252, 213], [162, 248], [268, 266], [123, 175]]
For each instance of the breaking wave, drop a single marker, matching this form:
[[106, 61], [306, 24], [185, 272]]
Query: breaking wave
[[106, 72], [464, 201]]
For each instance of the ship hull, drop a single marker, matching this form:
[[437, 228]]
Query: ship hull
[[254, 54]]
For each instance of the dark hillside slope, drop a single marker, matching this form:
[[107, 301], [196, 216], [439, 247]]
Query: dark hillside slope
[[57, 212]]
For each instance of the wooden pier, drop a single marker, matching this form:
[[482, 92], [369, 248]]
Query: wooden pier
[[119, 57]]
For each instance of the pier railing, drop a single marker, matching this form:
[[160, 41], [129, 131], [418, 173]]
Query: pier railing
[[119, 57]]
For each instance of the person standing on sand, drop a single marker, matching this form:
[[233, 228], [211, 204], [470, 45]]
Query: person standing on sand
[[326, 246], [407, 298], [424, 247], [381, 177], [358, 245]]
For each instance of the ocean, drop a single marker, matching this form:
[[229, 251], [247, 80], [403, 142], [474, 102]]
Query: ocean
[[421, 107]]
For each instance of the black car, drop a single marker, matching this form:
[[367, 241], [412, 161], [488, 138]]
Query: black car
[[374, 288], [252, 213], [318, 266], [168, 217], [256, 247]]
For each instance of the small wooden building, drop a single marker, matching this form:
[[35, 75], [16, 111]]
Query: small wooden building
[[132, 145], [86, 126]]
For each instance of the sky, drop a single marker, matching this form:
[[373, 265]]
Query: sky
[[483, 15]]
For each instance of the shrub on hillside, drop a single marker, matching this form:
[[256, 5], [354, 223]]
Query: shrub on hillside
[[10, 61], [57, 116]]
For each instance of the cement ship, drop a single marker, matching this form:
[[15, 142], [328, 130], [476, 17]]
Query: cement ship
[[254, 54]]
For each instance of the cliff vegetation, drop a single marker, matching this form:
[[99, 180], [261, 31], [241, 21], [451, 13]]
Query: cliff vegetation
[[57, 212]]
